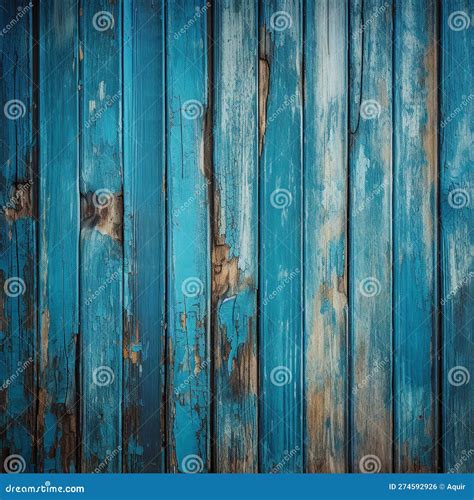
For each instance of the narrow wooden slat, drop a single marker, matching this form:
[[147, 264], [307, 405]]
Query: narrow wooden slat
[[101, 248], [456, 203], [189, 286], [18, 325], [415, 235], [144, 235], [325, 194], [370, 246], [59, 237], [280, 122], [235, 235]]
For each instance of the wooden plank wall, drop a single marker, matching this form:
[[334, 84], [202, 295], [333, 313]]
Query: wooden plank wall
[[236, 236]]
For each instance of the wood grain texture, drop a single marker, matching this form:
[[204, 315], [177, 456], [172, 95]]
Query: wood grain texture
[[325, 236], [415, 237], [58, 410], [280, 88], [101, 246], [370, 245], [235, 238], [456, 202], [189, 285], [18, 325], [144, 236]]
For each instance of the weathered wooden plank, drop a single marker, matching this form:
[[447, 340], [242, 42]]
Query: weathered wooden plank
[[101, 236], [235, 238], [370, 245], [58, 239], [18, 325], [280, 122], [456, 202], [325, 235], [189, 286], [144, 235], [415, 237]]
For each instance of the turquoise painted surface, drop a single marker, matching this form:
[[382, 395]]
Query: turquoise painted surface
[[18, 233], [59, 216], [144, 236], [189, 280], [281, 174], [241, 235], [456, 202], [415, 171]]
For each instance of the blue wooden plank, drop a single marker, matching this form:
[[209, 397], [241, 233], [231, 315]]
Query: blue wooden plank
[[18, 325], [280, 122], [101, 249], [58, 243], [325, 236], [235, 236], [188, 243], [370, 234], [144, 235], [415, 237], [456, 202]]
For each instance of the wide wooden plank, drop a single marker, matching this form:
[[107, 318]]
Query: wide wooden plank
[[370, 234], [280, 122], [144, 236], [189, 287], [415, 237], [235, 238], [58, 409], [18, 187], [325, 235], [101, 247], [456, 200]]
